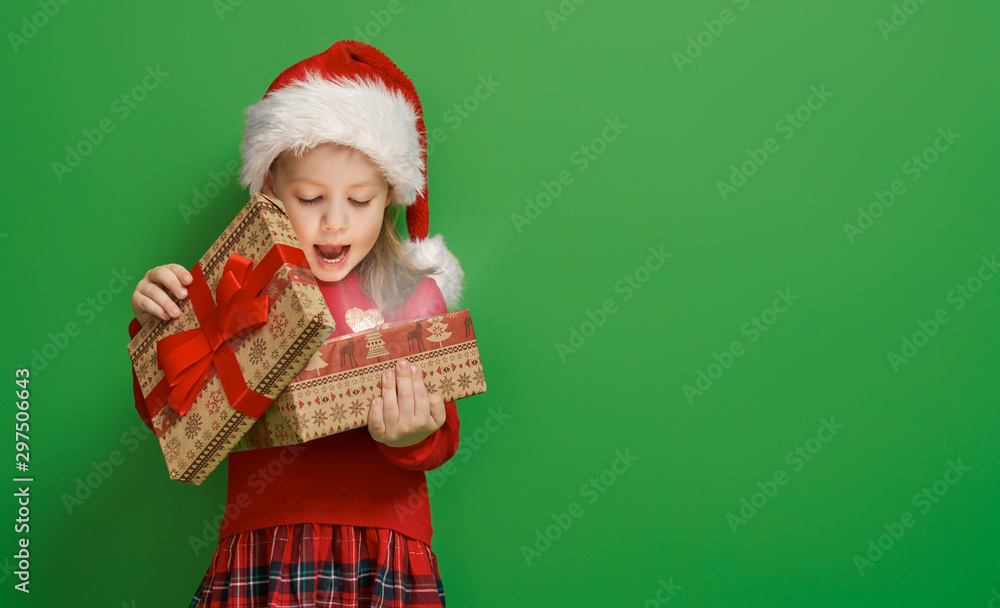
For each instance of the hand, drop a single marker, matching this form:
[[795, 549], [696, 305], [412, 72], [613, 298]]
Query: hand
[[405, 414], [150, 298]]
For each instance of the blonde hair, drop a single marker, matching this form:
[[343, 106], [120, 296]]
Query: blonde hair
[[388, 275]]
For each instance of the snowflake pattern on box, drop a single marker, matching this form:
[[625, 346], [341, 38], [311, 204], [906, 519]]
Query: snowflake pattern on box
[[194, 444], [333, 394], [193, 424], [277, 326], [257, 349], [319, 418]]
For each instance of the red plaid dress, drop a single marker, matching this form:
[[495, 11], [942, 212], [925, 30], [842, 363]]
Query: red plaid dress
[[321, 565]]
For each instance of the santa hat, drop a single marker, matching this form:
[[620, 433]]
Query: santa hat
[[353, 95]]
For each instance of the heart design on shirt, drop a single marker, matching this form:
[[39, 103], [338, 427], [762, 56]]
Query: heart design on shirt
[[363, 320]]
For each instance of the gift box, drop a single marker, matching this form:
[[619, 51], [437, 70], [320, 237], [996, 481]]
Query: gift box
[[333, 393], [253, 318]]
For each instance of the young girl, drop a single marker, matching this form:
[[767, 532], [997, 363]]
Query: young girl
[[342, 520]]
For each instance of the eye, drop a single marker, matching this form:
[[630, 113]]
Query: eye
[[309, 201], [361, 203]]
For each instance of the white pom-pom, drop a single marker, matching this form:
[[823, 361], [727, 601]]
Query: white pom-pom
[[432, 251]]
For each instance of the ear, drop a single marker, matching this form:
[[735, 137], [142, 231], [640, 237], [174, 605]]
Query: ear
[[268, 186]]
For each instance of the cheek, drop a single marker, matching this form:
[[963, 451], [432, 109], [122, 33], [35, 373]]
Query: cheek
[[301, 236], [375, 227], [299, 223]]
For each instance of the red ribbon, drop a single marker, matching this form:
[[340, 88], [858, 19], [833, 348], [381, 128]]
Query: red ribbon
[[187, 357]]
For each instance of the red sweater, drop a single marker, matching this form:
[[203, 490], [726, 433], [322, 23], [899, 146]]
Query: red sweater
[[347, 478]]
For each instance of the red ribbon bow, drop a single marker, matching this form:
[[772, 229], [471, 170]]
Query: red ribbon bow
[[187, 357]]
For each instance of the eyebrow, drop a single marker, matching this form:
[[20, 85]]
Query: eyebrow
[[369, 182], [304, 179]]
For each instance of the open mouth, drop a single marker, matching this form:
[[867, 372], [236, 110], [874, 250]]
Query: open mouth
[[331, 254]]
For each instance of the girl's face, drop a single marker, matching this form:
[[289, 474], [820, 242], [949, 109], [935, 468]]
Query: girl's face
[[335, 197]]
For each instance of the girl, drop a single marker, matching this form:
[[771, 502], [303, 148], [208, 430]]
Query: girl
[[343, 520]]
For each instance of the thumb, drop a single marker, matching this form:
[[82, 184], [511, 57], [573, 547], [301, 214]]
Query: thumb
[[376, 422], [437, 410]]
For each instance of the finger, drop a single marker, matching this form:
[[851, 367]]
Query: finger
[[182, 273], [438, 412], [421, 404], [167, 277], [155, 294], [404, 390], [390, 405], [141, 305], [376, 422], [147, 304]]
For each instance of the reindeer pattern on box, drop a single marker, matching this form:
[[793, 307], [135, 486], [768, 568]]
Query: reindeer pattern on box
[[334, 392]]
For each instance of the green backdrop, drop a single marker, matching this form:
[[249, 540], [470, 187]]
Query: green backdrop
[[732, 267]]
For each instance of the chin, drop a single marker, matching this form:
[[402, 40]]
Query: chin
[[331, 276]]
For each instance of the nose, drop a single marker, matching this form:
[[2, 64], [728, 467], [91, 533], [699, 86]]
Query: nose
[[334, 218]]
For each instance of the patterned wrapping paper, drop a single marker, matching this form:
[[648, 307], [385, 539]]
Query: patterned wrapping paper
[[333, 393], [298, 322]]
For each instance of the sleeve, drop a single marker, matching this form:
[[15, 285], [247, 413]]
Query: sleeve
[[140, 403], [432, 452], [441, 445]]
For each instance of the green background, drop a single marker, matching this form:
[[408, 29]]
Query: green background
[[529, 284]]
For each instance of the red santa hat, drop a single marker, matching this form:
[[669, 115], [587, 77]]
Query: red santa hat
[[353, 95]]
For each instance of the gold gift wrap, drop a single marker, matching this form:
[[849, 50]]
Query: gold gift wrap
[[333, 393], [262, 358]]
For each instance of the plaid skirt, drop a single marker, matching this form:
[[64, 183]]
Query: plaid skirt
[[320, 565]]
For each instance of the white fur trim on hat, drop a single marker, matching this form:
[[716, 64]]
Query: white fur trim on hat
[[362, 114], [449, 276]]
